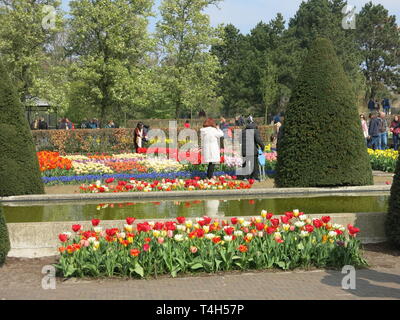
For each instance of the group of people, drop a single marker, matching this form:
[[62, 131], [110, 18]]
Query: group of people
[[376, 130], [65, 124], [39, 124], [374, 105], [211, 133]]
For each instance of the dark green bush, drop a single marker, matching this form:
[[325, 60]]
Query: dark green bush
[[392, 224], [19, 167], [322, 144], [4, 239]]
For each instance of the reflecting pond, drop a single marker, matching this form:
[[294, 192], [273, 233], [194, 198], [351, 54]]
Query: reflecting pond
[[193, 208]]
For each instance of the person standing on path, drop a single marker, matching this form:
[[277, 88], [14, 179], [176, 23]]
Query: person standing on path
[[386, 106], [383, 129], [395, 129], [138, 136], [210, 135], [251, 142], [364, 127], [371, 105], [374, 133]]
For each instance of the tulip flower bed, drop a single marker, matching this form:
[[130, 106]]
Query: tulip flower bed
[[383, 160], [206, 245], [132, 185], [72, 169]]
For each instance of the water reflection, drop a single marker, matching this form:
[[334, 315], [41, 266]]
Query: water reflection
[[193, 208], [211, 209]]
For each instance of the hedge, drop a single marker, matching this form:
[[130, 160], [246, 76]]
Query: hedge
[[19, 167], [99, 140], [322, 144], [392, 223], [4, 238]]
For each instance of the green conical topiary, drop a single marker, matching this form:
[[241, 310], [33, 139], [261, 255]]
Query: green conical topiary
[[392, 224], [4, 239], [322, 143], [19, 167]]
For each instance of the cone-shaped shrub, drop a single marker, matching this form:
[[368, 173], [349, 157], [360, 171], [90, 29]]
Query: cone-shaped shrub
[[322, 144], [392, 224], [4, 240], [19, 167]]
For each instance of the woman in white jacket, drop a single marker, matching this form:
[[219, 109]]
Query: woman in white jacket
[[210, 135]]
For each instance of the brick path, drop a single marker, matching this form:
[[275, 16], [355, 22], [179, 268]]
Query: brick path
[[21, 279]]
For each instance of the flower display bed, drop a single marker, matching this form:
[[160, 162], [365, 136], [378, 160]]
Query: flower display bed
[[224, 182], [73, 169], [383, 160], [208, 245], [76, 169]]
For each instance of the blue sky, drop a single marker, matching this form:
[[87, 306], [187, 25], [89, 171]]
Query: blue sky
[[245, 14]]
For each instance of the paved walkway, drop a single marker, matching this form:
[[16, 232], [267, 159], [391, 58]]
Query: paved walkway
[[21, 279]]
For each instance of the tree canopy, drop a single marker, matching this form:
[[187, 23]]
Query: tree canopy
[[101, 60]]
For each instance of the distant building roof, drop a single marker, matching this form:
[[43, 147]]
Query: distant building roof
[[37, 102]]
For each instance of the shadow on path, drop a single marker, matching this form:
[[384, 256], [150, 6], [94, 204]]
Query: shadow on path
[[365, 286]]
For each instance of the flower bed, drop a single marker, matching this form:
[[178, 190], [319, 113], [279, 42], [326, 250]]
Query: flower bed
[[206, 245], [133, 185], [70, 169], [383, 160]]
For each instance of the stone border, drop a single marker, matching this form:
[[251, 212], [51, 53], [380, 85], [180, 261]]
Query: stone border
[[40, 239], [197, 194]]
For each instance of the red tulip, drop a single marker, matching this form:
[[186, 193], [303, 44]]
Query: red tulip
[[109, 180], [63, 237], [269, 216], [309, 228], [326, 219], [317, 223], [130, 221], [234, 220], [271, 230], [285, 219], [260, 226], [207, 220], [111, 232], [181, 220], [200, 233], [135, 252], [95, 222], [289, 215], [229, 231], [76, 227], [353, 230], [275, 222]]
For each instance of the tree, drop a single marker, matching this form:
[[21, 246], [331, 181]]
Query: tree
[[322, 143], [189, 71], [243, 64], [235, 56], [392, 223], [270, 87], [108, 42], [4, 238], [323, 18], [19, 167], [26, 31], [378, 36]]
